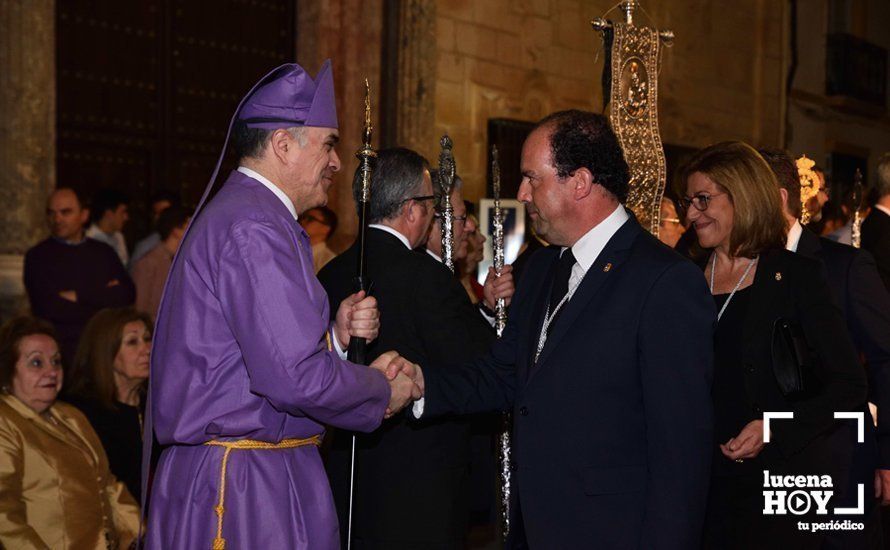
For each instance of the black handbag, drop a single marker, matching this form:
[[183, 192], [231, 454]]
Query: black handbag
[[792, 359]]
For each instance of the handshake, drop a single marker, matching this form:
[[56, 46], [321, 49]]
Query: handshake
[[405, 380]]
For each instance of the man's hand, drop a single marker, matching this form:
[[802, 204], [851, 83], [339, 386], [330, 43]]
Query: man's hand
[[498, 287], [70, 295], [113, 283], [747, 444], [882, 486], [357, 316], [404, 391], [397, 369], [391, 364]]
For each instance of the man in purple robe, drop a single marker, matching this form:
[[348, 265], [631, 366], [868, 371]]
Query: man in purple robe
[[246, 367]]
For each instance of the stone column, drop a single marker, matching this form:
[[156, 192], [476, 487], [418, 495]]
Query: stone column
[[348, 32], [416, 115], [27, 136]]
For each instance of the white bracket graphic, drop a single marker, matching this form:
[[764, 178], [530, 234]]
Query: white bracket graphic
[[860, 509], [859, 417], [767, 416]]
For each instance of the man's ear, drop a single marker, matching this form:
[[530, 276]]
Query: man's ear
[[281, 143], [784, 193], [582, 183], [84, 216]]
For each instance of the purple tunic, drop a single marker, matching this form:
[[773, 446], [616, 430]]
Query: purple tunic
[[240, 353]]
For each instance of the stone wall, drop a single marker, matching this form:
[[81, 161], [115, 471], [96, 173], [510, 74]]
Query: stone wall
[[523, 59]]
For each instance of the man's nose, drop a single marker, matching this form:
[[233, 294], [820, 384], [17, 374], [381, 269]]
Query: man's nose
[[524, 194]]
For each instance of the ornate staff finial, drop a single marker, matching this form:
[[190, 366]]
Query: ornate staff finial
[[368, 127], [809, 185], [629, 6], [858, 192], [365, 153], [446, 185]]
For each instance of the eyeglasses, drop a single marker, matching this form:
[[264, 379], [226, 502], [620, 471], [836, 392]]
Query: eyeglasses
[[419, 198], [457, 219], [700, 201]]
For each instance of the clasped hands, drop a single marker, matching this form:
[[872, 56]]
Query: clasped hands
[[405, 380], [358, 316]]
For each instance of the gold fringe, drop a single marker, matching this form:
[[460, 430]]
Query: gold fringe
[[219, 543]]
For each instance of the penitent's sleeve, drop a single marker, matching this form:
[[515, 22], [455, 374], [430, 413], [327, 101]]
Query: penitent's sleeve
[[281, 334]]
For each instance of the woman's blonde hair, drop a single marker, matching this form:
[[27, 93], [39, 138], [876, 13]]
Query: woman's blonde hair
[[758, 223], [92, 374]]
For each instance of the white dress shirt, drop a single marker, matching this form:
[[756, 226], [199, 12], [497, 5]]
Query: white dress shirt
[[114, 240], [794, 236], [588, 248]]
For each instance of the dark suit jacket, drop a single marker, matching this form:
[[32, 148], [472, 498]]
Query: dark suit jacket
[[876, 239], [411, 480], [865, 303], [793, 287], [613, 427]]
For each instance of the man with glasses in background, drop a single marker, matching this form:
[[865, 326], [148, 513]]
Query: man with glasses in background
[[411, 479], [459, 223]]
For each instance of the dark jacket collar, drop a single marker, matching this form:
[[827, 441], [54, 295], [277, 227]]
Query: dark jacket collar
[[810, 244]]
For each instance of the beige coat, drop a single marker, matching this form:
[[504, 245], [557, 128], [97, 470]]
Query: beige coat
[[56, 490]]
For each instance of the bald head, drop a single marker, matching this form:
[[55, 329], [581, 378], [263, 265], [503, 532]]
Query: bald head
[[66, 215]]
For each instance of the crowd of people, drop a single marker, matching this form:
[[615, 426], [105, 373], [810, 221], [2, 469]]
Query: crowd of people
[[638, 372], [71, 437]]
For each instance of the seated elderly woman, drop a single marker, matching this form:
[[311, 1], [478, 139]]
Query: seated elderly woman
[[108, 382], [56, 490], [781, 345]]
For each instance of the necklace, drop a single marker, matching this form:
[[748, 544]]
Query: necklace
[[737, 285], [548, 316]]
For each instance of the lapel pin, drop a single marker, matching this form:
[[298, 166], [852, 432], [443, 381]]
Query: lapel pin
[[778, 275], [607, 267]]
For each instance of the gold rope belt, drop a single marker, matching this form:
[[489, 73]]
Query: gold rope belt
[[219, 543]]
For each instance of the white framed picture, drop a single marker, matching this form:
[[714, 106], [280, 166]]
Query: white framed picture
[[514, 232]]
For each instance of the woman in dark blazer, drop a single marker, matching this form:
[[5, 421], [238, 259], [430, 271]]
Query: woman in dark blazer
[[732, 200]]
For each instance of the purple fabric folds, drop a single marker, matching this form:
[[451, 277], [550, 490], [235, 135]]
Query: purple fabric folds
[[240, 353], [290, 97]]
